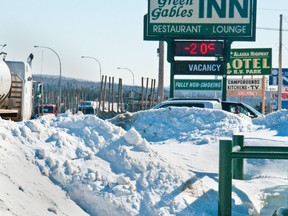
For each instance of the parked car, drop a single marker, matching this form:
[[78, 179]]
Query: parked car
[[239, 107], [201, 103]]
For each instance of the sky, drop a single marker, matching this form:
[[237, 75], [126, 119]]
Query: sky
[[110, 31], [154, 164]]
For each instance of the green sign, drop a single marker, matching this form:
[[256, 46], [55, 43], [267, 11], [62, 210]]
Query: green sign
[[250, 62], [205, 85], [201, 19]]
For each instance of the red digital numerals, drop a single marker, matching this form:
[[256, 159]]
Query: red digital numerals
[[198, 48]]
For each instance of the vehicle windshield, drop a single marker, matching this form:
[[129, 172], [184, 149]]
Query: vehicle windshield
[[201, 105], [253, 110], [46, 109], [86, 103]]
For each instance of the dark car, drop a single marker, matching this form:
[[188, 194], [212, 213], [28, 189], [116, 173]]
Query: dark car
[[239, 107]]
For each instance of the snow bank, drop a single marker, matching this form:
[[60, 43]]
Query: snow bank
[[184, 124], [275, 121], [104, 169], [23, 190], [107, 170]]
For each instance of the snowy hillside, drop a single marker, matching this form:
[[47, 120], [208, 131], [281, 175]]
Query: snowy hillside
[[155, 162]]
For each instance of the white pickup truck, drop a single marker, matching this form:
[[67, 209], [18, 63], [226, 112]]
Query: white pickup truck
[[201, 103]]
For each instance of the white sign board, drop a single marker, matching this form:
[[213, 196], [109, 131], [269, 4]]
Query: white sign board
[[244, 87]]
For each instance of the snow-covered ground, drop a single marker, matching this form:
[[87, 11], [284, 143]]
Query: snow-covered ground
[[155, 162]]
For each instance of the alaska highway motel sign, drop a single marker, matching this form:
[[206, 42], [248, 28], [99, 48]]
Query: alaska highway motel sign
[[233, 20]]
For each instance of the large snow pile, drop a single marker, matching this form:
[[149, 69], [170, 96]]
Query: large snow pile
[[275, 121], [184, 124], [164, 162]]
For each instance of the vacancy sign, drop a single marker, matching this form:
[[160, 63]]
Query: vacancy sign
[[198, 68], [244, 87], [218, 19]]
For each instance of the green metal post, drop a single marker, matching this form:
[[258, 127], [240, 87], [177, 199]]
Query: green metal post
[[224, 85], [170, 59], [225, 178], [226, 59], [238, 164], [261, 155], [172, 80]]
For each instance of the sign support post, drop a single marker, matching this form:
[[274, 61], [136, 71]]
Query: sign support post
[[226, 59], [280, 66], [263, 95], [172, 80]]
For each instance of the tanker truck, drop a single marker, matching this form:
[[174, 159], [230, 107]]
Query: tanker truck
[[16, 90]]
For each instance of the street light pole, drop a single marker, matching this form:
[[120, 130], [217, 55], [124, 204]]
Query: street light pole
[[60, 75], [3, 45], [97, 62], [128, 70]]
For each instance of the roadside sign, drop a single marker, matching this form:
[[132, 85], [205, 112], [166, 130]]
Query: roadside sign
[[244, 87], [284, 93], [198, 19], [284, 96], [285, 81], [250, 61], [205, 85], [273, 78], [285, 104], [198, 68]]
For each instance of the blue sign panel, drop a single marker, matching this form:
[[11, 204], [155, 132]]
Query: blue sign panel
[[273, 79], [285, 104]]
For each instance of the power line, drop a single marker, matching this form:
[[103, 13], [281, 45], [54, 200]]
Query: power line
[[285, 47], [270, 29], [273, 9], [285, 19]]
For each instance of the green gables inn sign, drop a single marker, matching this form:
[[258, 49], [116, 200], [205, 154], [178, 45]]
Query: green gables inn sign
[[200, 19]]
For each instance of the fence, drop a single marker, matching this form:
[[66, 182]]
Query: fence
[[111, 98], [231, 156], [134, 101]]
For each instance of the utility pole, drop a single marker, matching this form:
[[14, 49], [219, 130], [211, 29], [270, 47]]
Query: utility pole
[[161, 72], [280, 66]]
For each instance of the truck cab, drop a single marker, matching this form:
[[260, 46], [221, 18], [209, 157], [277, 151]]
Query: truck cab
[[87, 107], [45, 109]]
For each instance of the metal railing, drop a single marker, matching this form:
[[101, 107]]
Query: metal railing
[[231, 166]]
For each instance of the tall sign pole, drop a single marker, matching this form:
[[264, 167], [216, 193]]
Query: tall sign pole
[[161, 72], [280, 66], [226, 59]]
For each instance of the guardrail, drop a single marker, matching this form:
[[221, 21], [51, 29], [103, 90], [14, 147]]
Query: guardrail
[[231, 156]]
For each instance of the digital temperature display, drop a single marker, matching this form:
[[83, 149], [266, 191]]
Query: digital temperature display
[[198, 48]]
